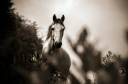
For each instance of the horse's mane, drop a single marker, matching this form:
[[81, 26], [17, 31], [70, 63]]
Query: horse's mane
[[42, 33], [49, 31]]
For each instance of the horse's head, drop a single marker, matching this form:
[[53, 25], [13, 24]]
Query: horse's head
[[56, 31]]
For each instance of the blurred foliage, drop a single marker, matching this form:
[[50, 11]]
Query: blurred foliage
[[109, 69]]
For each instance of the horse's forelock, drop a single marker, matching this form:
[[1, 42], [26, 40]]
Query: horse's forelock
[[59, 21]]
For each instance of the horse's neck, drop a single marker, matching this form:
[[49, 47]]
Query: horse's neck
[[47, 45]]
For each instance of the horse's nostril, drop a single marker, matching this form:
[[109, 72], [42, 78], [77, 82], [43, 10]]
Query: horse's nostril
[[58, 45]]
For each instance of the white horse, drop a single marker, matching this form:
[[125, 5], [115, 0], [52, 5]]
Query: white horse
[[57, 58]]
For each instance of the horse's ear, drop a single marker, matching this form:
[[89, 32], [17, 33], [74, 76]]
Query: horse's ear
[[54, 17], [62, 18]]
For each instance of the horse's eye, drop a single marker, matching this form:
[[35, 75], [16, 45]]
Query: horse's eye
[[63, 29]]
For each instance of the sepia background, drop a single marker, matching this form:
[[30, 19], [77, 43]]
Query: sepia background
[[106, 20]]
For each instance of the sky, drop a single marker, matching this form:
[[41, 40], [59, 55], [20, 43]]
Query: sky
[[106, 20]]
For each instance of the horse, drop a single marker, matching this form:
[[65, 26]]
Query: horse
[[57, 59]]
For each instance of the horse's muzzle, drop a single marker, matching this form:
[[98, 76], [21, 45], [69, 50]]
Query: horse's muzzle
[[58, 45]]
